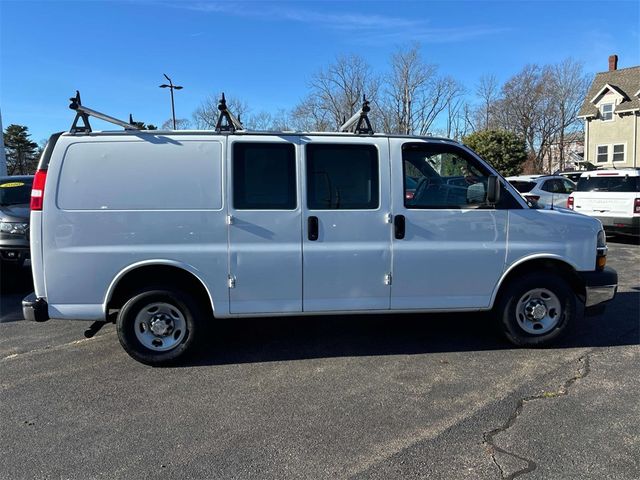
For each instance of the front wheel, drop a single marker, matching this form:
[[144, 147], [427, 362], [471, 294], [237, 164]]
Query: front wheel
[[536, 309], [156, 327]]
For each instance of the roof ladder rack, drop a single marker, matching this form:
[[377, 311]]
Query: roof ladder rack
[[84, 113], [226, 121], [360, 119]]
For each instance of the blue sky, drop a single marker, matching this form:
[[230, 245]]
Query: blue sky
[[115, 52]]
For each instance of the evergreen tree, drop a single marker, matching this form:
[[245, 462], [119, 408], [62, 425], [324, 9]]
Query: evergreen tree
[[22, 153], [505, 151]]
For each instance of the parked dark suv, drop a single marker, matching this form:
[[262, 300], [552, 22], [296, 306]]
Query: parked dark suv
[[15, 193]]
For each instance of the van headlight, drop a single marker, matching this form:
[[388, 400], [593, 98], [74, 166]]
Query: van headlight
[[13, 228], [601, 250]]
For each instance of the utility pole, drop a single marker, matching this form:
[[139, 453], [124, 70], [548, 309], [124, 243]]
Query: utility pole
[[171, 87], [3, 155]]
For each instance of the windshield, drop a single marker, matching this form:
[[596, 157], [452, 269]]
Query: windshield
[[609, 184], [15, 192], [522, 186]]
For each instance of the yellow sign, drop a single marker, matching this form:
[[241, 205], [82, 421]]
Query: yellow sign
[[12, 184]]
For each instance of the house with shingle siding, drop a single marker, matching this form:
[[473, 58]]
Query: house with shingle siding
[[611, 112]]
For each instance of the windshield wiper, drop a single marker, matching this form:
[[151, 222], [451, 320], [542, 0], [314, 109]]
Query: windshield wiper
[[13, 203]]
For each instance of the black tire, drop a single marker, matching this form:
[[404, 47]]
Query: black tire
[[187, 312], [514, 312]]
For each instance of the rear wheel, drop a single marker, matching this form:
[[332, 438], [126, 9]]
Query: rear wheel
[[536, 309], [158, 326]]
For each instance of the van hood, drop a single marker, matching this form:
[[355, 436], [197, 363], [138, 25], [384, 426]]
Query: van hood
[[572, 217], [15, 213]]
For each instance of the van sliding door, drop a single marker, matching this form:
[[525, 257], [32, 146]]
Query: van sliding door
[[264, 223], [347, 235]]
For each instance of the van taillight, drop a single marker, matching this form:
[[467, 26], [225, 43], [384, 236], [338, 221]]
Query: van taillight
[[37, 192], [570, 203], [636, 206]]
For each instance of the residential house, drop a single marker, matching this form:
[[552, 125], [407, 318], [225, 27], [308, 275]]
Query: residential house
[[611, 114], [567, 154]]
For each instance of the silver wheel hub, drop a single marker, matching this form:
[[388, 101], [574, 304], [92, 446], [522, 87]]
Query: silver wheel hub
[[160, 326], [538, 311], [535, 310]]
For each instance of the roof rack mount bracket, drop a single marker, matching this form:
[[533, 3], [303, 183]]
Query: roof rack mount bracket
[[359, 121], [84, 113], [227, 122]]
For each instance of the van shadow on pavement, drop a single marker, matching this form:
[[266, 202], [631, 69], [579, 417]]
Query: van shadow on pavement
[[295, 338], [15, 284]]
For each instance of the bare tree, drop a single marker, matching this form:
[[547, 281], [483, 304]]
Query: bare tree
[[569, 87], [336, 94], [259, 121], [310, 116], [415, 95], [181, 124], [488, 91], [525, 109], [205, 117], [458, 118]]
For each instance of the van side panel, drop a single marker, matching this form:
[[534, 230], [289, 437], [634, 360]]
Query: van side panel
[[35, 246], [120, 201], [555, 233]]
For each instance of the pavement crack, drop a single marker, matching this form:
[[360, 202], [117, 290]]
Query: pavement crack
[[489, 437], [49, 348]]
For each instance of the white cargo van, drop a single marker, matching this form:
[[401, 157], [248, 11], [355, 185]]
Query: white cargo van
[[171, 229]]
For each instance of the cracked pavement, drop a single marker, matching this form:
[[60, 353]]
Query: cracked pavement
[[360, 397]]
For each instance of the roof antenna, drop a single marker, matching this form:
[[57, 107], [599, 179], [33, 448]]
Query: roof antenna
[[360, 119], [226, 121]]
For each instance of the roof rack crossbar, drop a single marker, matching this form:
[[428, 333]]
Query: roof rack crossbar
[[360, 120], [84, 113], [226, 121]]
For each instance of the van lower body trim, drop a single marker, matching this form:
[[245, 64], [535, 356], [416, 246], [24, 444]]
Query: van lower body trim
[[35, 309]]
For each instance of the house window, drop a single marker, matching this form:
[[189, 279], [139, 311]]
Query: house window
[[603, 153], [606, 110], [618, 153]]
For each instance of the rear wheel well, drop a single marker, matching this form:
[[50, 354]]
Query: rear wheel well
[[550, 266], [166, 276]]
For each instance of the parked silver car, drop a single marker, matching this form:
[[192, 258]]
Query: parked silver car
[[545, 190]]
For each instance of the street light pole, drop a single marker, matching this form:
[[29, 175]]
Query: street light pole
[[171, 87]]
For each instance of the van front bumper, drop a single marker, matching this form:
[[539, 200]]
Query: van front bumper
[[600, 286], [35, 309]]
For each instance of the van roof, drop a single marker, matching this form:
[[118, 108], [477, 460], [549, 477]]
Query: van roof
[[613, 172], [290, 133]]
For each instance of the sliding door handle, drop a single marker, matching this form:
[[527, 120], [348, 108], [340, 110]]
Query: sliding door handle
[[312, 228], [399, 226]]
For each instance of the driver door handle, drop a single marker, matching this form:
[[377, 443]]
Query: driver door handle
[[312, 228], [399, 226]]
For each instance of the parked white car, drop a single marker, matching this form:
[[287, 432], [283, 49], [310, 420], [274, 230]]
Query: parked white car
[[546, 190], [171, 229], [611, 196]]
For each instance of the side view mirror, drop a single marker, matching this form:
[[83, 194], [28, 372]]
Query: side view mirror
[[493, 190]]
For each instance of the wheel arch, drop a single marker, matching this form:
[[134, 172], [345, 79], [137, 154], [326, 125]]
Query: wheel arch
[[155, 271], [541, 263]]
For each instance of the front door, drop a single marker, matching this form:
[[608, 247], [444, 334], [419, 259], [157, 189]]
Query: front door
[[449, 245], [265, 249], [347, 234]]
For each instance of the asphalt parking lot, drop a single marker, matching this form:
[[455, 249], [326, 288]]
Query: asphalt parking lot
[[342, 397]]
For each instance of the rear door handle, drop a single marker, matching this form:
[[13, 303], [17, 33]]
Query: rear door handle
[[312, 228], [399, 226]]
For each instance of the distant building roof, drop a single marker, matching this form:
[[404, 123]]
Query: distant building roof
[[625, 80]]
